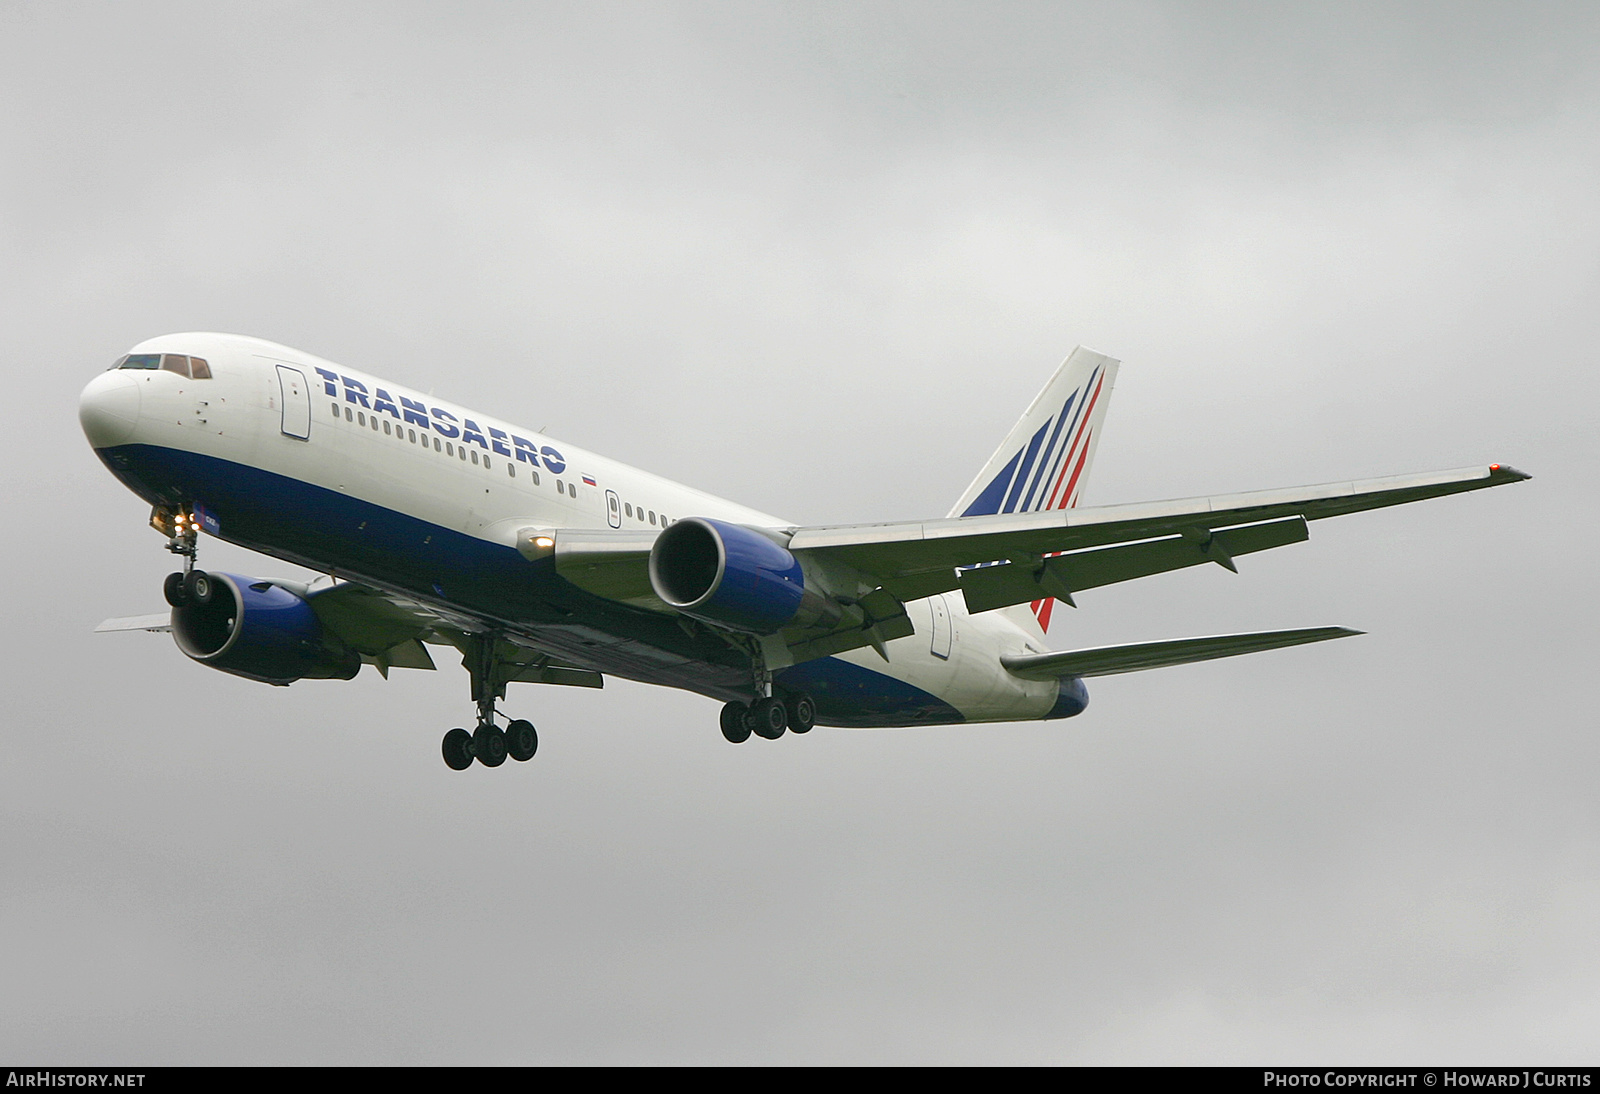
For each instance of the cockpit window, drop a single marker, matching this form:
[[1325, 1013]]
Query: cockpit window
[[195, 367]]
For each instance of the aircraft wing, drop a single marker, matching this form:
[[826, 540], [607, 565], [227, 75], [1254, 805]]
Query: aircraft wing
[[1109, 660], [1013, 558], [389, 631], [155, 622]]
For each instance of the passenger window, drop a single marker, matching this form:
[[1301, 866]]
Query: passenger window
[[652, 516], [535, 475], [375, 423], [386, 427], [511, 469], [336, 410], [449, 449], [435, 443], [413, 435], [348, 416], [463, 451], [175, 362], [474, 457], [361, 419], [629, 508], [199, 369]]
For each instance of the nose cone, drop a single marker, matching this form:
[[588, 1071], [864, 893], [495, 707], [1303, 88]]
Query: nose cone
[[108, 409]]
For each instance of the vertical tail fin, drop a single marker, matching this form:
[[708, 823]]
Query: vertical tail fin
[[1044, 461]]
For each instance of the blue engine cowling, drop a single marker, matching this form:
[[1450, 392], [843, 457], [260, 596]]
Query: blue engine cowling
[[728, 575], [1072, 698], [261, 631]]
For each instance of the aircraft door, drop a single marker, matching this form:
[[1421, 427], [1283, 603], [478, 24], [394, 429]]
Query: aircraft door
[[940, 611], [296, 403], [613, 509]]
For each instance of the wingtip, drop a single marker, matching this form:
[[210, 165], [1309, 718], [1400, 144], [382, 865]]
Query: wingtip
[[1503, 472]]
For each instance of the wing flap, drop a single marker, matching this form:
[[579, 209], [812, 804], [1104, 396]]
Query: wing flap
[[1059, 576], [1110, 660]]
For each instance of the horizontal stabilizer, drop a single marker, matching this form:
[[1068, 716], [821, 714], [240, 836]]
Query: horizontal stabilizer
[[1109, 660], [161, 622]]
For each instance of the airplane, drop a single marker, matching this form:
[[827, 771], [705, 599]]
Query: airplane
[[438, 525]]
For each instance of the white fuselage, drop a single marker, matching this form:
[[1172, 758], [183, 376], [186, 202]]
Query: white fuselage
[[456, 469]]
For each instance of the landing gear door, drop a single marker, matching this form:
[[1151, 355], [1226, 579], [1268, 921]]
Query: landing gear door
[[940, 645], [296, 403]]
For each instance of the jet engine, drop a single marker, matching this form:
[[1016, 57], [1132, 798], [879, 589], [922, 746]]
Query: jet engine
[[736, 577], [258, 630]]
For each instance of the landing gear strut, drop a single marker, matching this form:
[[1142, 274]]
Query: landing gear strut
[[769, 715], [488, 744], [182, 530]]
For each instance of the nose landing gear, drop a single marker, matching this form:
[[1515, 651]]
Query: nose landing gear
[[182, 529]]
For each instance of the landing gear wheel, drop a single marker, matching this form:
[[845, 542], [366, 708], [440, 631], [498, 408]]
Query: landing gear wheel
[[802, 713], [769, 718], [199, 586], [173, 589], [736, 723], [458, 750], [489, 745], [521, 740]]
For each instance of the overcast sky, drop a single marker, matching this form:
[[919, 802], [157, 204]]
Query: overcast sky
[[817, 258]]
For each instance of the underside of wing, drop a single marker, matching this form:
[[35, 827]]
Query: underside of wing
[[391, 631], [1110, 660], [1012, 558]]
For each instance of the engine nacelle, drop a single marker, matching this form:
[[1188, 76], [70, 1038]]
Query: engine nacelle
[[734, 577], [260, 631], [1071, 698]]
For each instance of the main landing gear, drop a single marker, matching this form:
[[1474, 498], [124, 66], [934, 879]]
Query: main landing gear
[[768, 718], [488, 744]]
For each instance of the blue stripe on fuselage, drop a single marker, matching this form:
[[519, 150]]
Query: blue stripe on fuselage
[[848, 694], [326, 530]]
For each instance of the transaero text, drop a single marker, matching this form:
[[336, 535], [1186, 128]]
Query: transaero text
[[415, 413]]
